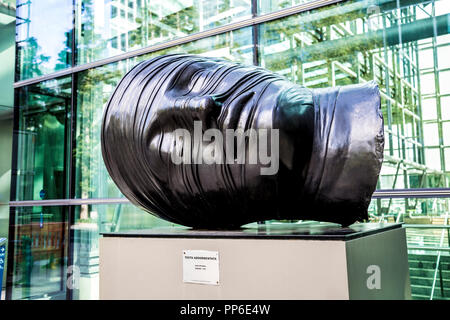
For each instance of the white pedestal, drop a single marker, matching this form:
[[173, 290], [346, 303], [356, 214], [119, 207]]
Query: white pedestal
[[366, 261]]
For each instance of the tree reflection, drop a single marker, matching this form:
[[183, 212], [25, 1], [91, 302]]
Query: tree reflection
[[117, 27], [31, 60]]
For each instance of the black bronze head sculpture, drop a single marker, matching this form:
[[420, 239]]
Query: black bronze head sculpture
[[323, 148]]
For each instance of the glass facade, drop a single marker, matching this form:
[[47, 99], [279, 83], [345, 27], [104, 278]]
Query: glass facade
[[41, 266], [40, 252], [402, 45], [90, 220], [42, 140], [91, 177], [108, 28], [43, 37], [268, 6]]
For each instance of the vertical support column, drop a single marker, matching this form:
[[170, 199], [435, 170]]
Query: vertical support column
[[421, 155], [255, 34], [70, 212], [13, 194], [70, 217], [255, 42], [388, 91], [437, 89]]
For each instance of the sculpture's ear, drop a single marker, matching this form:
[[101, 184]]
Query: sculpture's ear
[[347, 151], [294, 117], [294, 107]]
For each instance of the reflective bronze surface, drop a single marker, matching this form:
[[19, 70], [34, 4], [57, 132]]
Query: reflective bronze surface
[[330, 144]]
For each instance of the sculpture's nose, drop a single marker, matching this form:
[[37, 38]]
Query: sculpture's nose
[[181, 112], [198, 108]]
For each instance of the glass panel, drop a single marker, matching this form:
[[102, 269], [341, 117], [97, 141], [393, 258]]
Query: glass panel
[[433, 157], [267, 6], [96, 85], [348, 43], [445, 107], [43, 36], [137, 24], [94, 88], [430, 134], [426, 58], [42, 137], [40, 269], [235, 46], [427, 83], [40, 253], [7, 58], [6, 130], [410, 211], [447, 154], [429, 111], [446, 133], [423, 219], [444, 80], [91, 220]]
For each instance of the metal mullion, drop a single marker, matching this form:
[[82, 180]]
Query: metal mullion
[[66, 180], [71, 161], [255, 34], [13, 194], [437, 88], [71, 208]]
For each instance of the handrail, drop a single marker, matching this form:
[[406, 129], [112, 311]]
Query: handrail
[[438, 260], [427, 226], [412, 193], [440, 249], [378, 194], [428, 248]]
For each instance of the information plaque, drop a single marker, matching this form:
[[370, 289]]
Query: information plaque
[[201, 267]]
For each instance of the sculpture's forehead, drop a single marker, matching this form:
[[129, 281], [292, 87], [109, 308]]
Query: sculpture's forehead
[[183, 81], [196, 75]]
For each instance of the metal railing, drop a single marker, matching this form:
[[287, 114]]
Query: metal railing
[[378, 194], [441, 248], [438, 263]]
